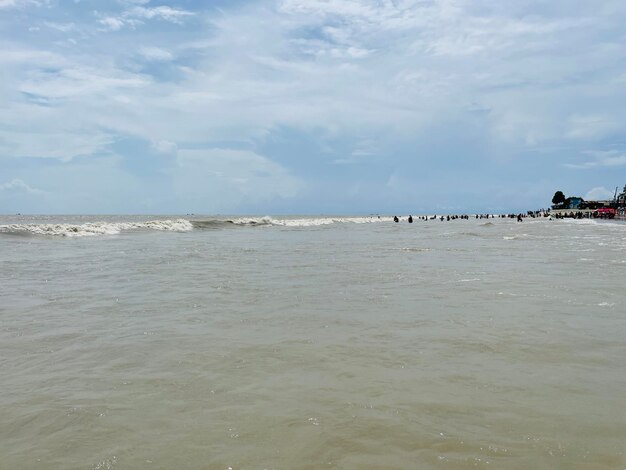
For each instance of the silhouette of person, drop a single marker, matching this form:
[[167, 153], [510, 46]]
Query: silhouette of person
[[410, 219], [395, 218]]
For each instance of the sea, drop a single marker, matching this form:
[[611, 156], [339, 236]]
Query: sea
[[200, 342]]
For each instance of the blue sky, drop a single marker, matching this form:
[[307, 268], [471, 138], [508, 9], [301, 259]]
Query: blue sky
[[309, 106]]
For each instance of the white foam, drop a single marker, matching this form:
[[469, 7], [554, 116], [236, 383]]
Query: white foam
[[309, 222], [98, 228], [599, 222]]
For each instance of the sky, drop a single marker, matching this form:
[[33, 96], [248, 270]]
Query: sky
[[309, 106]]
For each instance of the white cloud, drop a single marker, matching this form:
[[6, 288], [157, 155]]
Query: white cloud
[[18, 186], [64, 141], [364, 149], [589, 127], [80, 81], [599, 194], [610, 158], [112, 23], [22, 3], [155, 54], [396, 72], [164, 147], [219, 179], [62, 27], [163, 12], [345, 66], [135, 16]]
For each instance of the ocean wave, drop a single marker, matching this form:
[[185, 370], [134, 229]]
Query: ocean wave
[[599, 222], [211, 224], [520, 236], [305, 222], [178, 225], [96, 228]]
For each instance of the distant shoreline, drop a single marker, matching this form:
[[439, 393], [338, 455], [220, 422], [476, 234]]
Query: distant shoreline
[[586, 214]]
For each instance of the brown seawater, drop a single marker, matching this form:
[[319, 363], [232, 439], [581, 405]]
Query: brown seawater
[[307, 343]]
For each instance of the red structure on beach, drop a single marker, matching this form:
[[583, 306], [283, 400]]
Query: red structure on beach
[[605, 213]]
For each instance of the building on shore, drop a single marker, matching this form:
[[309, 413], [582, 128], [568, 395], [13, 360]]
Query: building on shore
[[577, 207]]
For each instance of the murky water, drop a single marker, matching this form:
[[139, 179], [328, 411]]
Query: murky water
[[461, 344]]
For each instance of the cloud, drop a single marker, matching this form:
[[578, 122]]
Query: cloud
[[349, 67], [135, 16], [56, 105], [62, 27], [598, 194], [77, 81], [601, 159], [591, 127], [164, 147], [223, 179], [155, 54], [18, 186], [364, 149], [163, 12], [21, 3], [111, 23], [341, 93]]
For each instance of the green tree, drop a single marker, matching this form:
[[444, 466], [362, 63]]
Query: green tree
[[558, 198]]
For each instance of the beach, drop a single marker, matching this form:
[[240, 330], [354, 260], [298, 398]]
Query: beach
[[198, 342]]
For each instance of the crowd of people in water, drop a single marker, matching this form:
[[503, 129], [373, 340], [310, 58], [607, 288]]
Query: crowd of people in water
[[584, 215], [520, 217]]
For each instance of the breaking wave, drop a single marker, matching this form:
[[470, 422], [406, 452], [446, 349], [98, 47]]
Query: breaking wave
[[305, 222], [95, 228], [177, 225], [598, 222]]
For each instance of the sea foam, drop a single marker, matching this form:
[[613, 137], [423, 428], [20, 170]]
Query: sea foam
[[307, 222], [179, 225], [97, 228]]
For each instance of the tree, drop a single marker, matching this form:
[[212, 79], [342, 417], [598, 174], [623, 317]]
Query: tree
[[558, 198]]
